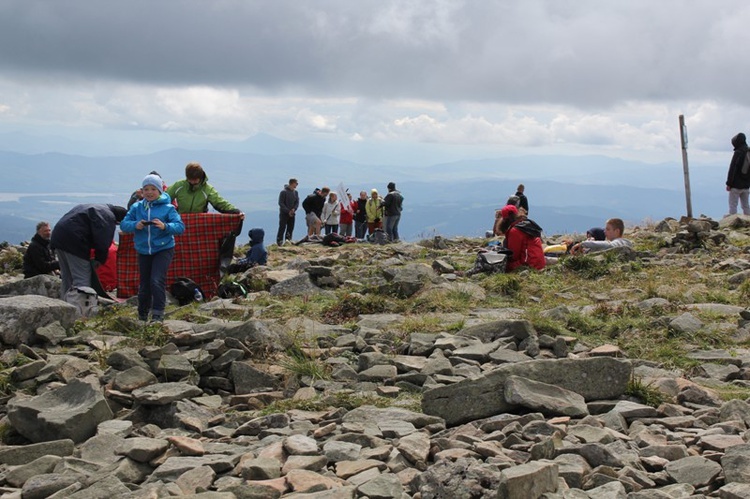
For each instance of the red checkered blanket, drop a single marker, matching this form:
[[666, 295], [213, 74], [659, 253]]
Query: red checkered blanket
[[196, 254]]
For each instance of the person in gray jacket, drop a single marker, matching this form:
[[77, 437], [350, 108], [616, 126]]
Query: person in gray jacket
[[288, 204]]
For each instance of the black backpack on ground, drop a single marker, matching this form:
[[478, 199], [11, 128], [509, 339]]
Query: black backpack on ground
[[183, 289]]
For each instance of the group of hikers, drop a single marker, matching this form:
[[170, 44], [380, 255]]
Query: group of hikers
[[80, 244], [522, 244], [352, 219], [79, 248]]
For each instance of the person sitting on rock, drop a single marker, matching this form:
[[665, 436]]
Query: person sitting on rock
[[39, 257], [613, 231], [523, 238]]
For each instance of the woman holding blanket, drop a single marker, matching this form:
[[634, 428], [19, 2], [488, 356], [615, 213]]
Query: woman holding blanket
[[155, 222]]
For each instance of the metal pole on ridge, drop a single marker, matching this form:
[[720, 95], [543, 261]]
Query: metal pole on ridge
[[685, 170]]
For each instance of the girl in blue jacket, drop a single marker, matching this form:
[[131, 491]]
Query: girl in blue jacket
[[155, 222]]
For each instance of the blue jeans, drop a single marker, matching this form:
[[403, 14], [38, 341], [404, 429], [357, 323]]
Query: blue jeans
[[152, 290], [391, 226]]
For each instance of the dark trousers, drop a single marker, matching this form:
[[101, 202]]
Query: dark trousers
[[331, 228], [152, 290], [360, 229], [286, 227]]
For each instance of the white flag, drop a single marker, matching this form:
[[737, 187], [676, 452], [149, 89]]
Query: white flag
[[343, 198]]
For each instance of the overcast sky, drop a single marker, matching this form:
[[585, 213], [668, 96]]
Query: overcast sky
[[530, 76]]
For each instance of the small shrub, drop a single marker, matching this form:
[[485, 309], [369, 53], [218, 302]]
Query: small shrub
[[11, 260], [645, 392]]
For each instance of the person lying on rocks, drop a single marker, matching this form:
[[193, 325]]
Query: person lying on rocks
[[613, 232]]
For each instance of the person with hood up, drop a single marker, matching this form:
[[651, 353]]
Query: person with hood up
[[83, 228], [257, 254], [194, 193], [523, 238], [738, 177], [155, 222]]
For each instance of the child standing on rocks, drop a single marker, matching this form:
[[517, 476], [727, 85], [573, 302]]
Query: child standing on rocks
[[155, 222]]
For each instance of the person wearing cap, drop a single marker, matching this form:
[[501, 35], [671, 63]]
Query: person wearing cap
[[138, 193], [83, 228], [392, 205], [154, 221], [374, 210], [194, 193]]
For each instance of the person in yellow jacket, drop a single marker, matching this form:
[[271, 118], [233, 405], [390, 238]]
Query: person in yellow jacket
[[194, 193], [374, 210]]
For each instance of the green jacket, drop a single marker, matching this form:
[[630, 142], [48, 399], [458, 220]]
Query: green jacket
[[195, 198]]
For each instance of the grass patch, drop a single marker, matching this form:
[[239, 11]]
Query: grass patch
[[503, 284], [299, 363], [588, 267]]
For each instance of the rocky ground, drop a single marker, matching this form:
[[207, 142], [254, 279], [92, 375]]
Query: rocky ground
[[375, 372]]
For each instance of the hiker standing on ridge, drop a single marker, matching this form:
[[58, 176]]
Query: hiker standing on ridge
[[360, 216], [738, 177], [154, 223], [392, 205], [313, 206], [523, 201], [288, 204]]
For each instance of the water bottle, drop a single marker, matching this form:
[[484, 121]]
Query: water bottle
[[198, 295]]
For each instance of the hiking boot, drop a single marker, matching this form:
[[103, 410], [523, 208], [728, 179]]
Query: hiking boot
[[157, 318]]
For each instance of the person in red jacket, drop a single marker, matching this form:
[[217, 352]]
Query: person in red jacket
[[523, 238]]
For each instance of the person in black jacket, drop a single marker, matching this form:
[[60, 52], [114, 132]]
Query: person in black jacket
[[360, 216], [523, 201], [738, 177], [313, 206], [39, 258], [288, 204], [83, 228]]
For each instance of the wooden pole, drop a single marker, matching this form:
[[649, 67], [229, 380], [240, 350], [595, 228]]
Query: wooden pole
[[685, 170]]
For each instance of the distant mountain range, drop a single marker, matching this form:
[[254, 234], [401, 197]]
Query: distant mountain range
[[566, 194]]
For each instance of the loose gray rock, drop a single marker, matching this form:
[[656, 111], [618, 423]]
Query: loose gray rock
[[548, 399], [21, 316], [72, 411], [593, 378]]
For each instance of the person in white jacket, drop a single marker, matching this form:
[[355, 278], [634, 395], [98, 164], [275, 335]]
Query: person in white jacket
[[613, 232], [331, 212]]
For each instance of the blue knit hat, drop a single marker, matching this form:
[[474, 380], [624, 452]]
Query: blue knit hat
[[154, 180]]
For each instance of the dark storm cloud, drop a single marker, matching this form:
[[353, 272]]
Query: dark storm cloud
[[572, 52]]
